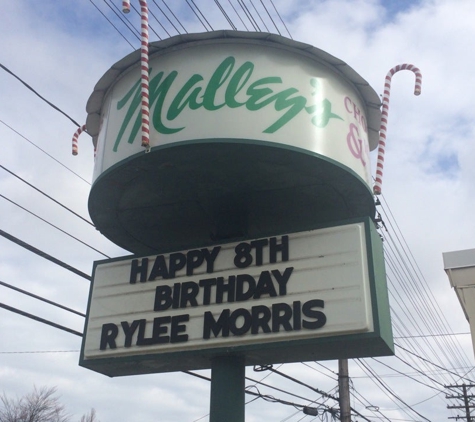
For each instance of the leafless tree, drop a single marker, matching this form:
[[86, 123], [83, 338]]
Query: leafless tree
[[41, 405], [90, 417]]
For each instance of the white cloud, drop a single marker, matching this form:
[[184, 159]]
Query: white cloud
[[62, 51]]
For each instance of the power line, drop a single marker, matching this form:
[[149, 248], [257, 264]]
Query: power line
[[44, 255], [389, 390], [56, 227], [434, 364], [41, 298], [324, 394], [43, 193], [40, 96], [110, 22], [42, 320], [178, 20], [44, 152]]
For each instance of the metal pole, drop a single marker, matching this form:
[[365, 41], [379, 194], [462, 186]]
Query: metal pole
[[344, 390], [227, 389]]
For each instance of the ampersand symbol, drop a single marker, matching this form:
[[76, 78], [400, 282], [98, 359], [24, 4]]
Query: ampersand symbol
[[355, 144]]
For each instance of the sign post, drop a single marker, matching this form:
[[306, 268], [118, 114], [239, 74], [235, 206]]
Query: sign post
[[227, 389]]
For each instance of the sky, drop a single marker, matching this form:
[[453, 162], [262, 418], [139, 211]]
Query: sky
[[62, 49]]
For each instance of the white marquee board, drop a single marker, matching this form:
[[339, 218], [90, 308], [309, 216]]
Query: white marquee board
[[276, 297]]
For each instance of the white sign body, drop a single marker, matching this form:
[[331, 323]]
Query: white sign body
[[237, 90], [244, 296]]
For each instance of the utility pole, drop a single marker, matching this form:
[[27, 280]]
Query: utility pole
[[462, 395], [344, 390]]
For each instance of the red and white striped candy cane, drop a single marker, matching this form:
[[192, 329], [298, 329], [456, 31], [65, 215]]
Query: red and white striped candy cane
[[75, 138], [144, 69], [384, 118]]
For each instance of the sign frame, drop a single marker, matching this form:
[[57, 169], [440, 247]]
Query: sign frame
[[378, 342]]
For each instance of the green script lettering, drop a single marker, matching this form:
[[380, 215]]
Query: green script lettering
[[196, 93]]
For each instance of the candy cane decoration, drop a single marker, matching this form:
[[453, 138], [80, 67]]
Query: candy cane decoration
[[144, 69], [384, 118], [75, 138]]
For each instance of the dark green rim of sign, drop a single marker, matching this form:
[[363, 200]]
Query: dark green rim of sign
[[195, 193], [379, 342]]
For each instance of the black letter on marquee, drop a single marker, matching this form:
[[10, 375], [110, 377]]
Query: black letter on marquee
[[265, 286], [210, 324], [177, 328], [259, 246], [129, 331], [242, 295], [158, 330], [246, 325], [138, 269], [297, 315], [189, 291], [221, 288], [163, 298], [282, 279], [194, 259], [278, 319], [320, 317], [159, 269], [207, 283], [261, 316], [210, 258], [141, 339], [283, 248], [108, 335], [177, 262]]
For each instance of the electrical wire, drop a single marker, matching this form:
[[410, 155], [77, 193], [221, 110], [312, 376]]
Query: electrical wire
[[44, 255], [46, 195], [38, 95], [270, 17], [178, 20], [38, 319], [390, 391], [44, 152], [56, 227], [112, 24], [166, 17], [41, 298]]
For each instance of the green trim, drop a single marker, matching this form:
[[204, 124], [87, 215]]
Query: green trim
[[376, 343], [288, 147]]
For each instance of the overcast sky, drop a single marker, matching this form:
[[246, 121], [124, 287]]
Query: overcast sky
[[62, 48]]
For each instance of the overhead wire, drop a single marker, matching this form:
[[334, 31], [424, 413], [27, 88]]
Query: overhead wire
[[44, 152], [431, 301], [54, 226], [173, 14], [39, 95], [112, 6], [410, 297], [46, 195], [50, 302], [260, 16], [225, 14], [166, 17], [437, 366], [389, 392], [270, 17], [39, 319], [280, 17], [44, 255], [238, 15], [112, 24], [198, 16], [248, 15], [413, 293]]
